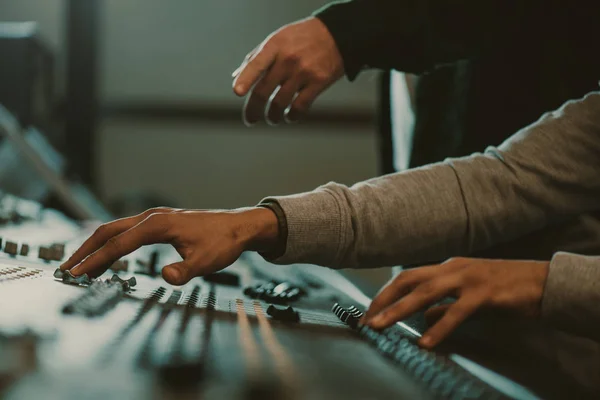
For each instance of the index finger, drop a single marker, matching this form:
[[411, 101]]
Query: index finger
[[254, 69], [98, 239], [105, 232], [153, 229], [396, 288]]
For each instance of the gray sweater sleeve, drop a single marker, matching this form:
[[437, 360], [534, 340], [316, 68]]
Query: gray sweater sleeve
[[572, 294], [547, 172]]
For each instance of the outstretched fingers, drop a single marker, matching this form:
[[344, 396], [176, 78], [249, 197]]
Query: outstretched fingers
[[153, 229], [452, 316]]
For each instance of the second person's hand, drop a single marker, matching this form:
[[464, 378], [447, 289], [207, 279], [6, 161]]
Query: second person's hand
[[284, 75], [207, 241], [510, 285]]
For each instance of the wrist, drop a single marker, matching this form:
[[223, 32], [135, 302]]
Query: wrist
[[539, 276], [259, 230]]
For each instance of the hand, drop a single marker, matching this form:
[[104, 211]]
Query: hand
[[516, 286], [285, 74], [207, 241]]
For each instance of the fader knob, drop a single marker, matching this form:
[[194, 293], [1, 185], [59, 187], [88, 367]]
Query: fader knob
[[283, 314], [126, 284], [76, 280]]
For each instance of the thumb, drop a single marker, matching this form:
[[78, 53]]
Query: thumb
[[177, 273]]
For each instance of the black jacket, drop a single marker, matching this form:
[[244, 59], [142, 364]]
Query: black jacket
[[487, 67]]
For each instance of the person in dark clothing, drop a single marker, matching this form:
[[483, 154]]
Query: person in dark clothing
[[455, 104], [284, 74], [296, 63], [543, 174]]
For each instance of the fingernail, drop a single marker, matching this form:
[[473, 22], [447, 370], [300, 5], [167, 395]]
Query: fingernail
[[425, 341]]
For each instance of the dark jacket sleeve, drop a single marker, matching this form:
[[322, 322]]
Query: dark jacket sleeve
[[416, 35]]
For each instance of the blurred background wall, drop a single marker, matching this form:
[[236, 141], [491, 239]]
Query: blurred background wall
[[180, 54], [155, 51]]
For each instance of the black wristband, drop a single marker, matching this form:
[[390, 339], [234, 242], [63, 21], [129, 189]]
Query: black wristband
[[279, 249]]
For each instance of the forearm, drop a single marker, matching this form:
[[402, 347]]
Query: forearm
[[572, 294], [416, 35], [546, 172]]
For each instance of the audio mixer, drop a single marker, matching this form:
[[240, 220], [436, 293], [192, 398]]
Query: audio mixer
[[253, 331]]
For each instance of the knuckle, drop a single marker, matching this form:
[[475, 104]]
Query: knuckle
[[114, 245], [399, 284], [429, 286], [157, 210], [291, 58], [261, 93], [102, 230], [306, 67], [407, 276], [455, 261], [160, 222], [157, 218], [320, 77], [315, 75]]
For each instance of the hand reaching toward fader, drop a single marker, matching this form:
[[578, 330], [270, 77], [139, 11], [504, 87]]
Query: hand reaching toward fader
[[207, 241], [284, 74]]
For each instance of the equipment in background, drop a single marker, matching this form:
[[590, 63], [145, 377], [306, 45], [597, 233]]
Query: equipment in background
[[30, 164], [26, 78], [30, 167]]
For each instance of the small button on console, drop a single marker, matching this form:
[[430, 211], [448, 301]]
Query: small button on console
[[283, 314], [24, 250], [11, 248], [44, 253]]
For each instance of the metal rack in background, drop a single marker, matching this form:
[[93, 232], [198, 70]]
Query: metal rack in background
[[38, 164]]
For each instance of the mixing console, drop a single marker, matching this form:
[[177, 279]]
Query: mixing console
[[255, 330]]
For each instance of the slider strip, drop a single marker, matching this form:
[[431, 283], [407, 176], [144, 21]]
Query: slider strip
[[248, 343], [283, 363]]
